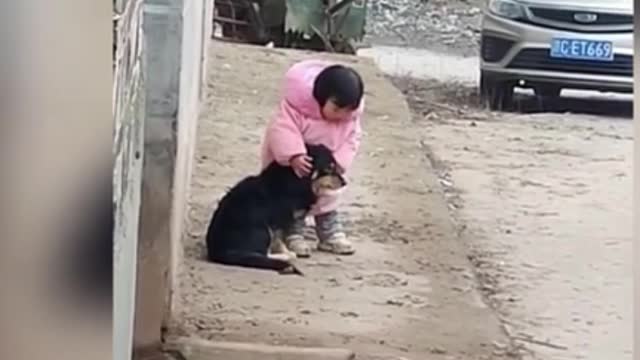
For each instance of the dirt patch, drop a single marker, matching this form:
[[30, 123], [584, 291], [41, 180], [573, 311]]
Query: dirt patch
[[408, 293], [436, 97]]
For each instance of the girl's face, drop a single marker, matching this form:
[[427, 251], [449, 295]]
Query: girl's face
[[333, 113]]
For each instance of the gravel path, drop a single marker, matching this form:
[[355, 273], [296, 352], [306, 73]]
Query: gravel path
[[448, 26]]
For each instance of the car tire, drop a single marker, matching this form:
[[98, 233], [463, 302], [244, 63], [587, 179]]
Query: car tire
[[496, 94], [547, 91]]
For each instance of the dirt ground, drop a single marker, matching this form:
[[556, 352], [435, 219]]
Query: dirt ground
[[408, 293], [445, 26], [543, 200]]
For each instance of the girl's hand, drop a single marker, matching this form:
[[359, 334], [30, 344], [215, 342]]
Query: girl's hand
[[301, 165]]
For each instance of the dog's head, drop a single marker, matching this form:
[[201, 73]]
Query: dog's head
[[325, 176]]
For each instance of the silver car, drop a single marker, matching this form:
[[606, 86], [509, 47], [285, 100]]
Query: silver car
[[550, 45]]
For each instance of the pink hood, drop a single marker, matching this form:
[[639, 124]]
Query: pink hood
[[298, 87]]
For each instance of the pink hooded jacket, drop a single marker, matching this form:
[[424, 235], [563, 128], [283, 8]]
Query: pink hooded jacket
[[299, 121]]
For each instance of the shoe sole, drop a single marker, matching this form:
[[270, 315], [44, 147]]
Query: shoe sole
[[333, 251]]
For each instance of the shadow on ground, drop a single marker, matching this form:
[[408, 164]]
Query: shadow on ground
[[593, 105], [434, 95]]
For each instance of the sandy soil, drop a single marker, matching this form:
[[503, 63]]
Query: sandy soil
[[408, 293], [543, 200]]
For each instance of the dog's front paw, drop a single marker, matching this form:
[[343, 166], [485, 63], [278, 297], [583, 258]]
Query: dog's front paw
[[291, 270], [290, 255]]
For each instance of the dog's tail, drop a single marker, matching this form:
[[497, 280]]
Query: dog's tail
[[255, 261]]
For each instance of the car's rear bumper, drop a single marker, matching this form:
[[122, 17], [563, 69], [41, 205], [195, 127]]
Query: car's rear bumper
[[513, 50]]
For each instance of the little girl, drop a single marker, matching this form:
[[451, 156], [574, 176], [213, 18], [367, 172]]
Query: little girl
[[322, 104]]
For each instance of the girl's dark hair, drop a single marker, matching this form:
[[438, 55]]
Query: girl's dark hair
[[340, 84]]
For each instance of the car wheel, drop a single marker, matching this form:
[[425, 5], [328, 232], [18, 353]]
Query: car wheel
[[496, 94], [548, 91]]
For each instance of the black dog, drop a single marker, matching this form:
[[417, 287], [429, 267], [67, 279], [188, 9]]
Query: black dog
[[244, 225]]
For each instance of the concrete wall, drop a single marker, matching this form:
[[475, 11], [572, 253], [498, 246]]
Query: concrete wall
[[197, 17], [128, 110], [162, 29], [176, 34]]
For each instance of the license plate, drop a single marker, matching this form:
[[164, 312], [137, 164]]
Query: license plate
[[581, 49]]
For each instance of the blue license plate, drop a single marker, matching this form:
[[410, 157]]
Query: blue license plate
[[581, 49]]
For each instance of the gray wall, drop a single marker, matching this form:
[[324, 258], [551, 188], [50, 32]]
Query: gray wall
[[176, 35], [129, 114]]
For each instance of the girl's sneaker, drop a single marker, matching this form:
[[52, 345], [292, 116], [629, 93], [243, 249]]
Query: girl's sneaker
[[330, 235]]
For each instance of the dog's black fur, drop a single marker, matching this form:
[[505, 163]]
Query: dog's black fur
[[241, 229]]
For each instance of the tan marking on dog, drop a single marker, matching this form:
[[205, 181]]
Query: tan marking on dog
[[326, 183], [278, 247]]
